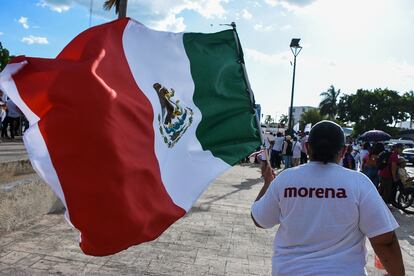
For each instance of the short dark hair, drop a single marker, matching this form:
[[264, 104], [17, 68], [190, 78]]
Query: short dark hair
[[378, 148], [398, 146], [326, 139], [366, 146]]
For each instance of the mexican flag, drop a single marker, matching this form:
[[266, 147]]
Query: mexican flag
[[129, 126]]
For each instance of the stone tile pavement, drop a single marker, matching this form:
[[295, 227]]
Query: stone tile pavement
[[216, 238], [12, 150]]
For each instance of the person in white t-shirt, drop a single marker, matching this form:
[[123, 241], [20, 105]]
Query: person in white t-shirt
[[304, 153], [362, 154], [276, 157], [325, 212], [297, 149]]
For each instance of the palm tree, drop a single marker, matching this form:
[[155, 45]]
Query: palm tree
[[328, 105], [283, 119], [268, 120], [120, 7]]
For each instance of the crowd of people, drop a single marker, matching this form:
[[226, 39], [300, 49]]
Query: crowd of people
[[11, 118], [286, 150], [384, 166]]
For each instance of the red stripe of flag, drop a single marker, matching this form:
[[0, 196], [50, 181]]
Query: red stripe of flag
[[98, 128]]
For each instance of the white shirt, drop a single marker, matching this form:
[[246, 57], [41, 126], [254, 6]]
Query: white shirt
[[278, 143], [362, 154], [297, 148], [262, 154], [12, 108], [2, 114], [325, 212], [303, 142], [266, 142]]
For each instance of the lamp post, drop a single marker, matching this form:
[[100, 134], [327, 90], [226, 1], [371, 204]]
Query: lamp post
[[294, 46]]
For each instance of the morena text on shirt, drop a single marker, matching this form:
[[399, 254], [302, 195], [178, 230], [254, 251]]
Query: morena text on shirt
[[315, 192]]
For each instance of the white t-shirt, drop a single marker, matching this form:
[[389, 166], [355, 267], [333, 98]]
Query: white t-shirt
[[297, 148], [12, 108], [2, 114], [266, 143], [303, 142], [362, 154], [325, 212], [278, 143]]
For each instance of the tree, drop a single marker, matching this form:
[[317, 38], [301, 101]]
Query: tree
[[312, 116], [120, 7], [283, 119], [328, 105], [269, 120], [407, 105], [4, 57], [378, 109]]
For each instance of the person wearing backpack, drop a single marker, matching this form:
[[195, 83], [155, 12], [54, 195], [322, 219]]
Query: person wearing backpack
[[388, 166], [287, 152], [369, 165], [297, 149], [349, 161]]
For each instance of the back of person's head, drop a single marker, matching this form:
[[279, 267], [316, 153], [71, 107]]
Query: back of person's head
[[378, 148], [279, 134], [366, 146], [326, 139], [295, 138], [398, 146]]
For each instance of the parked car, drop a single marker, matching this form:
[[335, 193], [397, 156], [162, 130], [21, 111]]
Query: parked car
[[409, 155], [406, 143]]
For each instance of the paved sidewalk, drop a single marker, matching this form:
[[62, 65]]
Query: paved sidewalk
[[12, 150], [216, 238]]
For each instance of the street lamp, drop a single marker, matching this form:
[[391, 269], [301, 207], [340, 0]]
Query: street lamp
[[294, 46]]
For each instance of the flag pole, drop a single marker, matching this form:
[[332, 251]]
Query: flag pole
[[249, 88], [122, 8]]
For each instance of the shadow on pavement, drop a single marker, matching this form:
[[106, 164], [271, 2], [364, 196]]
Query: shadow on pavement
[[406, 229], [245, 185]]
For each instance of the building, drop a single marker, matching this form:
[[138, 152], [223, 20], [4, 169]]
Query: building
[[297, 111]]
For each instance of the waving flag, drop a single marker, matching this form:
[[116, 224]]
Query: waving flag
[[296, 127], [308, 127], [129, 126]]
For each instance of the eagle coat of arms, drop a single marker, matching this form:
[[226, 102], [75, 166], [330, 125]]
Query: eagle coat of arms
[[174, 119]]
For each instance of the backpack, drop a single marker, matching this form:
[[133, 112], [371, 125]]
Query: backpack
[[289, 150], [383, 160], [345, 162]]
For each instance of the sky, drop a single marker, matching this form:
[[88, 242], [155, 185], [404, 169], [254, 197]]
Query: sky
[[350, 44]]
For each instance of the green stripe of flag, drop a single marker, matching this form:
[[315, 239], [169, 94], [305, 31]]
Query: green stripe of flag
[[228, 127]]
